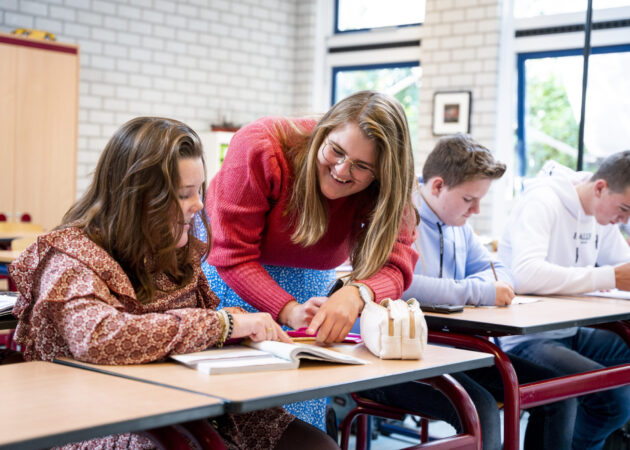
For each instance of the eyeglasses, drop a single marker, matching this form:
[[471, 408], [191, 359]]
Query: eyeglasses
[[359, 170]]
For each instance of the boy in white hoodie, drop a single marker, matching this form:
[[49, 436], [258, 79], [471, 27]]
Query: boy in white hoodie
[[561, 238]]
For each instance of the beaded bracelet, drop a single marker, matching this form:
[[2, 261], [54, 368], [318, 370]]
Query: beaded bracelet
[[230, 318]]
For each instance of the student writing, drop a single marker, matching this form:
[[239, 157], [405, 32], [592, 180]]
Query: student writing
[[455, 268], [562, 238]]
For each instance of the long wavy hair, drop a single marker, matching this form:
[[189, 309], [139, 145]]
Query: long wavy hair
[[382, 120], [131, 208]]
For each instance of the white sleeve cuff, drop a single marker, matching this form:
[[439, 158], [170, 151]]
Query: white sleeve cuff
[[604, 277]]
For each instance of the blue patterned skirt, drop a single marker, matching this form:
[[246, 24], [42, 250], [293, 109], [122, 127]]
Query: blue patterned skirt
[[302, 284]]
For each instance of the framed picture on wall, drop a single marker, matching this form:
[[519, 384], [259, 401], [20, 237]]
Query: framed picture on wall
[[451, 112]]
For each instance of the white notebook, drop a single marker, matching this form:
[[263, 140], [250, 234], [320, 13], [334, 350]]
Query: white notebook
[[7, 301], [613, 293], [260, 356]]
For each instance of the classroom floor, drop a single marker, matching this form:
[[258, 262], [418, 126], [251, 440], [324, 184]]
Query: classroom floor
[[437, 429]]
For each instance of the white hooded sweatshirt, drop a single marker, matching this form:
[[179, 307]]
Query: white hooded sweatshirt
[[553, 247]]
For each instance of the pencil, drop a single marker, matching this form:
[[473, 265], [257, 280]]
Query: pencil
[[303, 339], [494, 271]]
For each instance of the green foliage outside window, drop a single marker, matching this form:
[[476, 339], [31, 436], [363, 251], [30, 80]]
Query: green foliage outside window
[[549, 112], [402, 81]]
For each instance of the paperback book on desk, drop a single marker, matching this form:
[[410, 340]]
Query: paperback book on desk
[[259, 356]]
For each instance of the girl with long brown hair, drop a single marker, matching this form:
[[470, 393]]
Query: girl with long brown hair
[[120, 281]]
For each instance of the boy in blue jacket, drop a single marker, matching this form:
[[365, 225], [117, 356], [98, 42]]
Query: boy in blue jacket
[[457, 268], [454, 268]]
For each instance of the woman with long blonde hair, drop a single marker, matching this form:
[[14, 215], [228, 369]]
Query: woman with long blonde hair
[[295, 198]]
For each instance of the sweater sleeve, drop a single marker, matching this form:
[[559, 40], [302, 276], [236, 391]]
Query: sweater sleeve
[[98, 333], [476, 289], [438, 291], [240, 197], [397, 273], [73, 308], [532, 273]]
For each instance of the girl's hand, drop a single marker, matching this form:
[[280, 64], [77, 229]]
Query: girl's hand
[[335, 317], [258, 327], [297, 315]]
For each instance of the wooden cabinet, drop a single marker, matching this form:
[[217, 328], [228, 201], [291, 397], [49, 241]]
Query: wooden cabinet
[[39, 88]]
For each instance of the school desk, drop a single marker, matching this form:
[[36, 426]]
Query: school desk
[[244, 392], [8, 256], [255, 390], [550, 313], [46, 404], [6, 236]]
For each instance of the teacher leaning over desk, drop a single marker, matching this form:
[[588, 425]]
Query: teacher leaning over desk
[[295, 198]]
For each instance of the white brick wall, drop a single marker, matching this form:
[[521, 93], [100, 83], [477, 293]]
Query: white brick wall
[[196, 61], [459, 52]]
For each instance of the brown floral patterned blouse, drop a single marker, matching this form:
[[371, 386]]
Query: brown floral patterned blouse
[[76, 301]]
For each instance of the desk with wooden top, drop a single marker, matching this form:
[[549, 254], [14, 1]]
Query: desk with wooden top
[[8, 256], [550, 313], [9, 235], [46, 404], [245, 392]]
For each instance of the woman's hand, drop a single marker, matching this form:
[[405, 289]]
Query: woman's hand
[[335, 317], [258, 327], [296, 315]]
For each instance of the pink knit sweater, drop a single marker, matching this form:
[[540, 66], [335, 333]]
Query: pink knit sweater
[[246, 201]]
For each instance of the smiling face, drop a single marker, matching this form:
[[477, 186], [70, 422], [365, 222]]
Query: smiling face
[[192, 176], [335, 180], [455, 205], [610, 207]]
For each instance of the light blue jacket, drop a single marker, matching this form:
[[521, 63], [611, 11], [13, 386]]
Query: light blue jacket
[[467, 277]]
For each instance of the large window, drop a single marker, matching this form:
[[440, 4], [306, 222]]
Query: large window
[[401, 80], [381, 53], [352, 15], [550, 58], [533, 8], [550, 95]]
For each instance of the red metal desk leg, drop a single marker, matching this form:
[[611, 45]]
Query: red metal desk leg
[[469, 439], [512, 398], [471, 434]]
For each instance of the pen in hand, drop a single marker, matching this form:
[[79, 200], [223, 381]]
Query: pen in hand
[[494, 271]]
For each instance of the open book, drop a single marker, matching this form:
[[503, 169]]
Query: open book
[[259, 356], [7, 301]]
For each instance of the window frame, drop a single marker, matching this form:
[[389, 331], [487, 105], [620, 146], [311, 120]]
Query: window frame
[[522, 58], [391, 65], [360, 30]]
